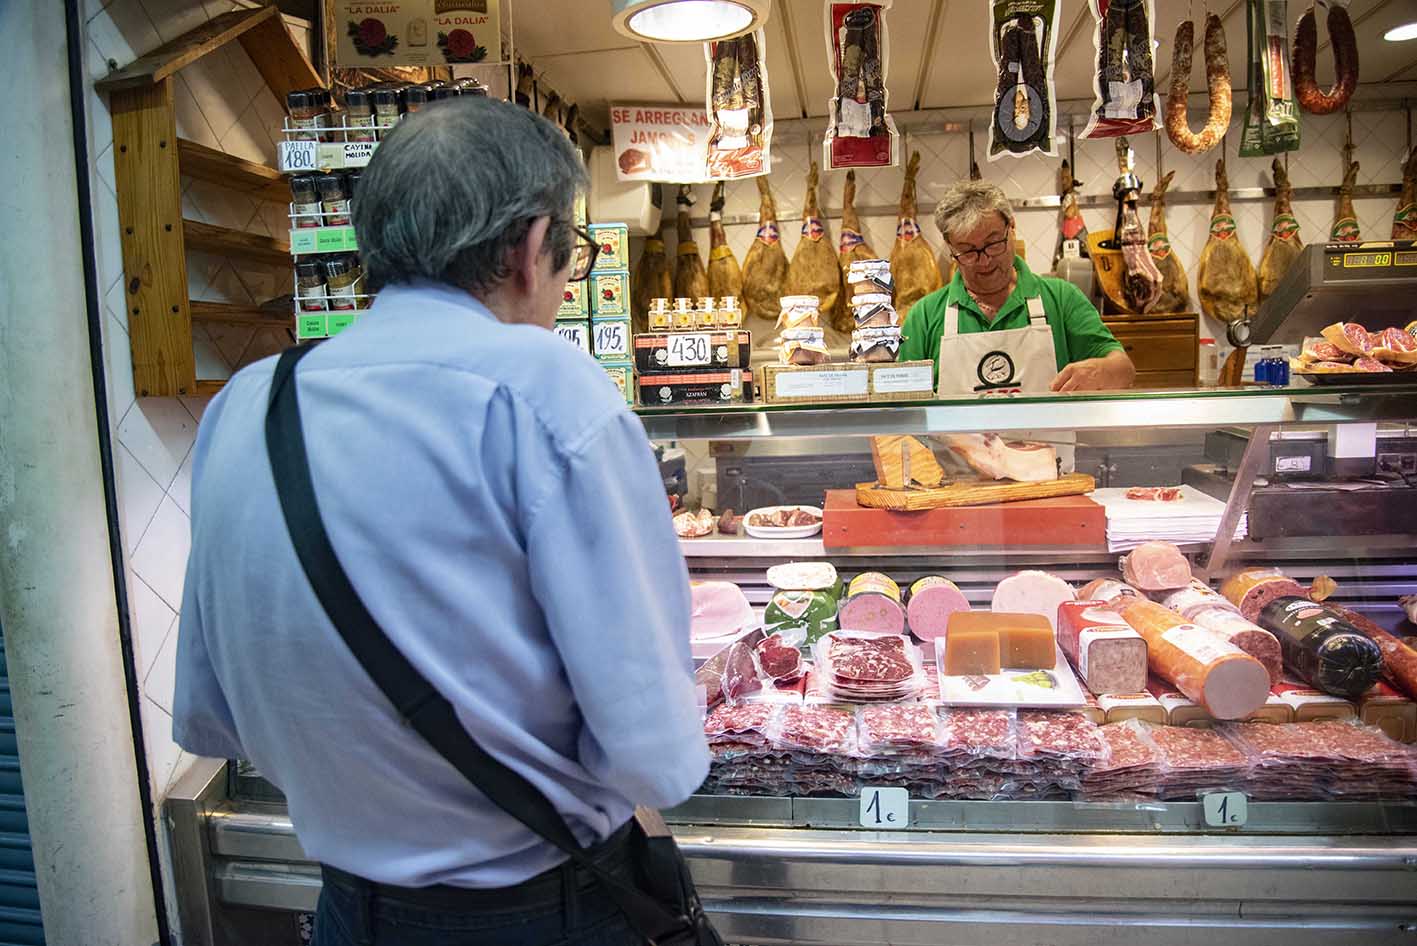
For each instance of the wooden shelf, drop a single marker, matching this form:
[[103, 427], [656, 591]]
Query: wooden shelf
[[224, 241], [227, 314], [208, 388], [238, 174]]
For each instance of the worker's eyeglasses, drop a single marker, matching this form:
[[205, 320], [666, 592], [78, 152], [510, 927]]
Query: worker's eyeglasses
[[585, 253], [992, 250]]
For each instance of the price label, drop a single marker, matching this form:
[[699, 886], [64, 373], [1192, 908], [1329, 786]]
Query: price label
[[323, 240], [689, 351], [1226, 809], [575, 333], [1072, 249], [299, 155], [885, 808], [358, 153], [611, 340]]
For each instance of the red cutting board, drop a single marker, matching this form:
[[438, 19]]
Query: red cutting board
[[1065, 520]]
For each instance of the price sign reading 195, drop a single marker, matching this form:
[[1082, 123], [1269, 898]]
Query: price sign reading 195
[[611, 339], [688, 351]]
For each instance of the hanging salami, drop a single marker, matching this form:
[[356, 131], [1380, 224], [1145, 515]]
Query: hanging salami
[[1345, 218], [724, 276], [912, 260], [860, 132], [1175, 287], [853, 244], [1217, 82], [764, 267], [1345, 60], [1404, 220], [1024, 40], [1124, 87], [814, 270], [739, 107], [1284, 245], [1225, 280], [1272, 118]]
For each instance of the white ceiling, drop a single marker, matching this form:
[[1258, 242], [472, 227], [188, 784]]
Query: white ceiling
[[574, 47]]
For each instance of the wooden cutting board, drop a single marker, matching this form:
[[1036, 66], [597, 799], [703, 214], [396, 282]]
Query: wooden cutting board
[[1074, 521], [970, 493]]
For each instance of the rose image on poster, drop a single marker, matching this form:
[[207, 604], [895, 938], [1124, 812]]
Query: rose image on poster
[[371, 37], [461, 46]]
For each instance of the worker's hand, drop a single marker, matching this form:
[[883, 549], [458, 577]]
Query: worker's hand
[[1112, 372]]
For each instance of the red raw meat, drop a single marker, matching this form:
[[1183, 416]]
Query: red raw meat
[[746, 717], [779, 660], [740, 674], [891, 725], [1163, 494], [870, 660], [823, 729]]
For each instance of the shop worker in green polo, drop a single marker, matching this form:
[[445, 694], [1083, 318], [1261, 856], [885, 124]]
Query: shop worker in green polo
[[997, 327]]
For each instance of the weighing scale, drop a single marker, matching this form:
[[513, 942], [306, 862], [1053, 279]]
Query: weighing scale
[[1374, 284]]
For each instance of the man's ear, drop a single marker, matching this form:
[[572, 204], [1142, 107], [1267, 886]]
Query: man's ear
[[526, 255]]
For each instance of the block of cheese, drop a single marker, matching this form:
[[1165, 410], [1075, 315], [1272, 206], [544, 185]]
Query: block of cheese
[[971, 644], [1204, 666], [1109, 655], [1026, 641]]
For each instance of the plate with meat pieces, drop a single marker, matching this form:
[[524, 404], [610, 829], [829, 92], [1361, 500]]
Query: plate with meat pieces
[[1350, 354], [783, 522]]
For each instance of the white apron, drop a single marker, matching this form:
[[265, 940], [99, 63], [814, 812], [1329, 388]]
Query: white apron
[[1014, 361]]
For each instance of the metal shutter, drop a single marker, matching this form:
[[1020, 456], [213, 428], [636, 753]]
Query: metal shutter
[[19, 896]]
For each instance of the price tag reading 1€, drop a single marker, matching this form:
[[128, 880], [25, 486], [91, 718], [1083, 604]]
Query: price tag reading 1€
[[885, 808], [1226, 809], [689, 351], [299, 156]]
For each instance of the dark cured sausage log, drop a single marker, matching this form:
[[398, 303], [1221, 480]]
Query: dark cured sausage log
[[1217, 80], [1345, 62]]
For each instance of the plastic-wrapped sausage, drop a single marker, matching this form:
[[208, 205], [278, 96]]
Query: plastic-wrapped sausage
[[1217, 80], [1322, 647], [1345, 61]]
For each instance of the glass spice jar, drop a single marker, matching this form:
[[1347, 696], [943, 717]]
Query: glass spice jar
[[351, 184], [438, 93], [344, 280], [414, 98], [305, 206], [307, 115], [310, 286], [332, 117], [386, 109], [358, 116], [334, 200]]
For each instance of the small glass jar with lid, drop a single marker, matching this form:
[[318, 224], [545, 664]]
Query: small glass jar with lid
[[310, 286], [344, 280], [358, 116], [334, 199], [386, 108], [305, 206]]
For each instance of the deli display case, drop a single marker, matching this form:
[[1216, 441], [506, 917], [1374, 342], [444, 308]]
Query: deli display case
[[1088, 820]]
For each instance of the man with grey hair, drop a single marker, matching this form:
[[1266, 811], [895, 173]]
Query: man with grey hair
[[997, 327], [499, 512]]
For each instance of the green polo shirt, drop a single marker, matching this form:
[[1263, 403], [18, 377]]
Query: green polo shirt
[[1078, 332]]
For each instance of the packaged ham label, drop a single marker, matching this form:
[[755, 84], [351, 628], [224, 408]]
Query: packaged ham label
[[1202, 644]]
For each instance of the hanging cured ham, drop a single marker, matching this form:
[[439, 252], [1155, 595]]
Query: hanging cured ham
[[1225, 281], [1070, 222], [1284, 245], [1175, 287], [724, 276], [690, 279], [814, 270], [651, 281], [1404, 221], [912, 260], [765, 265], [853, 244], [1345, 219]]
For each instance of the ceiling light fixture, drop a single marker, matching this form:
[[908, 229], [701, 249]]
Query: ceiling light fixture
[[1401, 33], [687, 21]]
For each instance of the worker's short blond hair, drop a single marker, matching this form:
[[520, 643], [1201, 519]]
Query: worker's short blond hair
[[967, 204]]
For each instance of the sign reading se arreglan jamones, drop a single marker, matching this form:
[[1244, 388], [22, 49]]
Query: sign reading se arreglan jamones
[[416, 32], [660, 143]]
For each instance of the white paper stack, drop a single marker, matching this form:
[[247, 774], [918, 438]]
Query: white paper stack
[[1195, 517]]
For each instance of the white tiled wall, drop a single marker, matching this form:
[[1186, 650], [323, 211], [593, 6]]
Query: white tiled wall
[[222, 102], [1380, 137]]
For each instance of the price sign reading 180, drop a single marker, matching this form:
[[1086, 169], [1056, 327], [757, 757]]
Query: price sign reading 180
[[1366, 260]]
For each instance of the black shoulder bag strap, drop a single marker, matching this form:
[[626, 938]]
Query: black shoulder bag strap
[[415, 699]]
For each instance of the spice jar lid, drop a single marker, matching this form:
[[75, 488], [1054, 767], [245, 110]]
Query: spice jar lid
[[339, 266], [297, 100], [351, 180], [444, 92], [305, 187], [415, 95], [310, 269], [356, 99], [385, 96], [321, 96], [331, 185]]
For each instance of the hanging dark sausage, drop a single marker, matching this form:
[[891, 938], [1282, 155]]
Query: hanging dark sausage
[[1345, 62], [1217, 80]]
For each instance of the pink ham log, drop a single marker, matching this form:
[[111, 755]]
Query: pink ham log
[[1156, 566], [1032, 592], [932, 600]]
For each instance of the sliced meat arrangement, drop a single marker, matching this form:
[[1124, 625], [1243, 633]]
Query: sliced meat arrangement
[[869, 667], [1155, 494], [1349, 347]]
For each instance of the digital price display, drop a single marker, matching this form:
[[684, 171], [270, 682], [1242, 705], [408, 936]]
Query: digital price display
[[1366, 260], [1405, 258]]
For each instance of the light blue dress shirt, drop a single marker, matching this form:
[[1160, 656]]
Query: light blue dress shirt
[[500, 512]]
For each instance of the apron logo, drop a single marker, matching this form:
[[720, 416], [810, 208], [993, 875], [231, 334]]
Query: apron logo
[[996, 369]]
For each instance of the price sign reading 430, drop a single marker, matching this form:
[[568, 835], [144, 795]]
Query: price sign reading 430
[[689, 351], [611, 339]]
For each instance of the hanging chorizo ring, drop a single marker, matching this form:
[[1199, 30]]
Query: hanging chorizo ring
[[1345, 62], [1217, 80]]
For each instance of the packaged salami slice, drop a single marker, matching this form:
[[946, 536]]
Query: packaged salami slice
[[860, 132], [739, 107], [1124, 86], [1023, 40], [1272, 117]]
